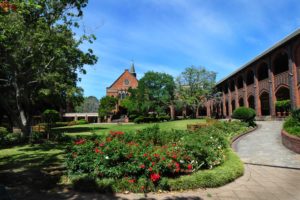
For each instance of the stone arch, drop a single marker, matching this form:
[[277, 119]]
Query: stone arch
[[282, 93], [280, 62], [241, 102], [250, 77], [251, 102], [264, 103], [240, 82], [262, 71]]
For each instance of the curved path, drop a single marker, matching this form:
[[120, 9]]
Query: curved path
[[264, 147], [261, 147]]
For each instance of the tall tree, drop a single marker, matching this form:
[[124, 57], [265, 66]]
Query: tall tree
[[155, 92], [195, 86], [90, 105], [40, 56], [106, 106]]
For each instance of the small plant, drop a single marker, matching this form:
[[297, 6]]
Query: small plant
[[50, 117], [245, 115], [296, 115]]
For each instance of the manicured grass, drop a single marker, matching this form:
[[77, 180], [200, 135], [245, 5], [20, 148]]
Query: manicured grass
[[88, 129]]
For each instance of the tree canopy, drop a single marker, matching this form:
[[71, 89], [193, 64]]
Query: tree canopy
[[195, 86], [89, 105], [40, 57], [107, 105]]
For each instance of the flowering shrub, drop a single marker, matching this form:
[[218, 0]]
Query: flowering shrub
[[142, 161]]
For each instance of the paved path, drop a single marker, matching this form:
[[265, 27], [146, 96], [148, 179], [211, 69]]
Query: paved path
[[264, 147]]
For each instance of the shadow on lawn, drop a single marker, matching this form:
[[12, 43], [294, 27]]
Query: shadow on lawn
[[35, 173]]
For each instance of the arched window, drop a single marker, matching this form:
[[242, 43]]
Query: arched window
[[250, 78], [240, 82], [281, 63], [262, 72]]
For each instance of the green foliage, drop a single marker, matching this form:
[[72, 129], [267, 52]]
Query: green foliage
[[195, 86], [154, 93], [150, 159], [292, 123], [90, 105], [142, 119], [245, 115], [77, 122], [283, 105], [296, 114], [40, 58], [107, 104], [7, 139]]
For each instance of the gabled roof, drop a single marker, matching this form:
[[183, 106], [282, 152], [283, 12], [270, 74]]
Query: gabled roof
[[126, 70], [278, 44]]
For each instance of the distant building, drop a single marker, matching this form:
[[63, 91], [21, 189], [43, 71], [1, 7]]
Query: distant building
[[120, 87]]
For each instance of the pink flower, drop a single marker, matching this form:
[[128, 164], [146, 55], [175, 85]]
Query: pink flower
[[101, 144], [150, 169], [154, 177]]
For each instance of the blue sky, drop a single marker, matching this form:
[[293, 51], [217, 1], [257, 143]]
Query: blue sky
[[170, 35]]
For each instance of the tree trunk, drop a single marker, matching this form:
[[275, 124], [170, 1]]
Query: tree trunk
[[172, 112], [197, 111]]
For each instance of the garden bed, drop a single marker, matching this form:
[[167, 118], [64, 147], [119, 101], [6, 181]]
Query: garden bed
[[290, 141], [152, 160]]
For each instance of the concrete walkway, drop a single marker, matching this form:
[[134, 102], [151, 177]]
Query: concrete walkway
[[264, 147]]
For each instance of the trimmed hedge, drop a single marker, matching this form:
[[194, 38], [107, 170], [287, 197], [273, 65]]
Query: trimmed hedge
[[245, 115]]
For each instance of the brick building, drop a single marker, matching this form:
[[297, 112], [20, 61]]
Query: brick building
[[120, 87], [271, 76]]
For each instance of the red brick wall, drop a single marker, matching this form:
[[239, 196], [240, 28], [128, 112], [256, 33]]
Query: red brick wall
[[291, 142], [120, 84]]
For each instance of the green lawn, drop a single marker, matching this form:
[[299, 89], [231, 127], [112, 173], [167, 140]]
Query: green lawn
[[88, 129]]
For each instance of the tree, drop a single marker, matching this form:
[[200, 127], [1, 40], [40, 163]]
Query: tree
[[89, 105], [40, 57], [194, 87], [50, 117], [154, 93], [107, 105]]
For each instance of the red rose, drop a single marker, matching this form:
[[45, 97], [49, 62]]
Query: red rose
[[142, 166], [97, 150], [156, 155], [150, 169], [101, 144], [131, 180], [190, 167], [80, 141], [154, 177]]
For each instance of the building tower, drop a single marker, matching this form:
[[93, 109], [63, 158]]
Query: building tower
[[132, 70]]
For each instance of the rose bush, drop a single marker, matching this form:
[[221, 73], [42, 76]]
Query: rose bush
[[142, 161]]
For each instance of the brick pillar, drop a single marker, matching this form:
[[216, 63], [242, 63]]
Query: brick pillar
[[208, 111], [294, 96], [98, 120], [75, 118], [224, 103], [256, 94], [229, 101], [236, 98], [272, 89], [246, 103]]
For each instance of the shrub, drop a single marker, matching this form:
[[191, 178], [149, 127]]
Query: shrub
[[145, 160], [296, 114], [292, 124], [78, 122], [7, 138], [245, 115], [3, 134]]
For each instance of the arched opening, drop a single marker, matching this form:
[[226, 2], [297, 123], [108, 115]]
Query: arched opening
[[265, 104], [241, 102], [225, 88], [232, 88], [281, 63], [233, 105], [240, 82], [250, 78], [251, 102], [202, 111], [262, 72], [282, 93]]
